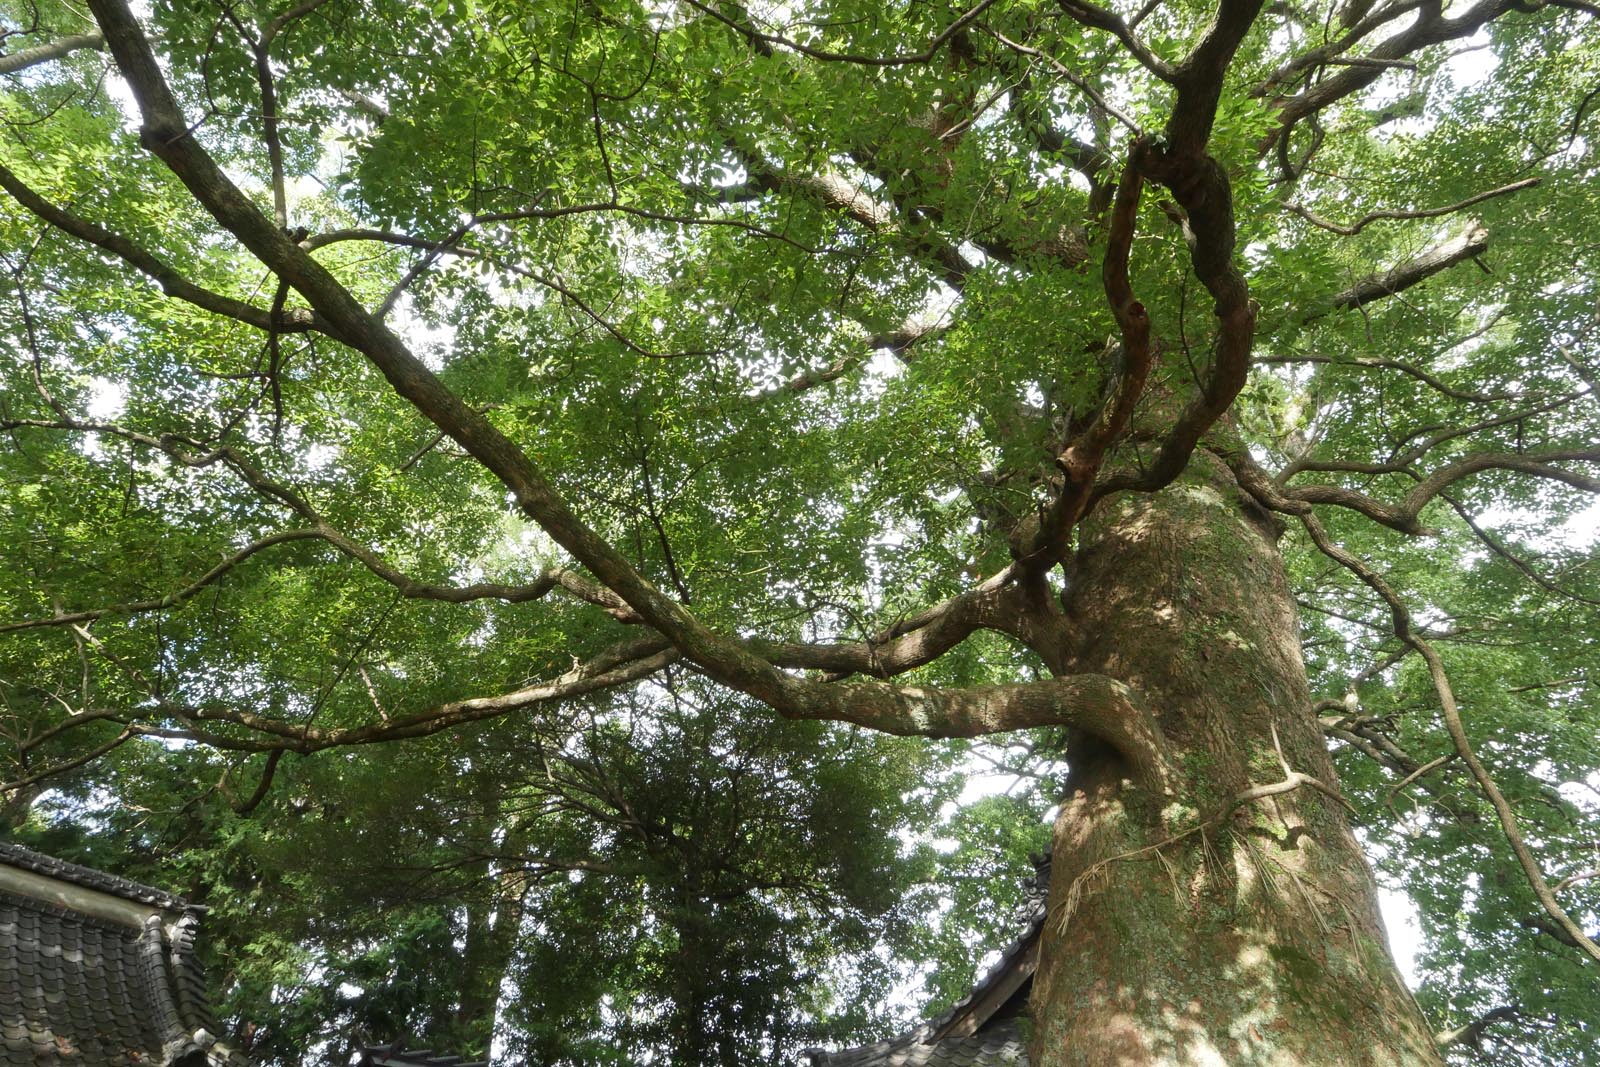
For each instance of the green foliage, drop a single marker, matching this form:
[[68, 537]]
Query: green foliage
[[654, 301]]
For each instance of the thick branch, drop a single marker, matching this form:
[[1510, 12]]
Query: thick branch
[[45, 53], [888, 655], [1080, 460], [1471, 1033], [1404, 516], [1101, 706], [620, 665], [1203, 190], [171, 600], [552, 578], [1000, 603], [1051, 139], [1405, 455], [1468, 245], [1199, 78], [722, 657], [1521, 565], [1322, 54], [1101, 18], [838, 193], [450, 245], [1432, 381], [765, 42], [1430, 28]]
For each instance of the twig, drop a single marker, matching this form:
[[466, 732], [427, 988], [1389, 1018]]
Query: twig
[[1421, 213], [900, 60]]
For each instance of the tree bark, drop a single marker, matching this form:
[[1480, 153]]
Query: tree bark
[[1232, 920]]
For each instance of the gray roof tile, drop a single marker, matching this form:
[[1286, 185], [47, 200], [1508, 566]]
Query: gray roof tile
[[85, 990], [997, 1043], [1027, 921], [1000, 1045], [62, 871], [395, 1054]]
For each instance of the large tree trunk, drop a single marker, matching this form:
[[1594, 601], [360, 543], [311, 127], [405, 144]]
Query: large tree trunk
[[1254, 937]]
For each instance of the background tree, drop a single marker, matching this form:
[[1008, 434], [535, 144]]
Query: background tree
[[562, 390]]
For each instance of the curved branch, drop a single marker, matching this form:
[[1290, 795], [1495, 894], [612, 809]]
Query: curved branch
[[1202, 188], [296, 320], [1320, 55], [1077, 81], [838, 193], [884, 656], [270, 32], [166, 134], [450, 246], [1472, 1032], [552, 578], [1424, 213], [171, 600], [1367, 363], [253, 801], [1099, 705], [764, 42], [1400, 461], [1430, 28], [1000, 604], [1521, 565], [56, 769], [1404, 516], [1080, 460], [620, 665], [1100, 18], [1535, 463], [1458, 734]]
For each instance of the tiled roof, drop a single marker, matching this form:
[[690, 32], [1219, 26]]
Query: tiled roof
[[98, 971], [965, 1036], [88, 877], [1000, 1045], [396, 1054], [1017, 953]]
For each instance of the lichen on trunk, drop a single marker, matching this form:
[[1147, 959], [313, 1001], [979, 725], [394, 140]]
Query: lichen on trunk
[[1230, 917]]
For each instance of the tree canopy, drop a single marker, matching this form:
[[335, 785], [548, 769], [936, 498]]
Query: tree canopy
[[520, 506]]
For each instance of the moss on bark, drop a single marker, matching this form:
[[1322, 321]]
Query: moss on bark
[[1192, 928]]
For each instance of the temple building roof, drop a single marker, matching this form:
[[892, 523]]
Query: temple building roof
[[983, 1028], [98, 971], [396, 1054]]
